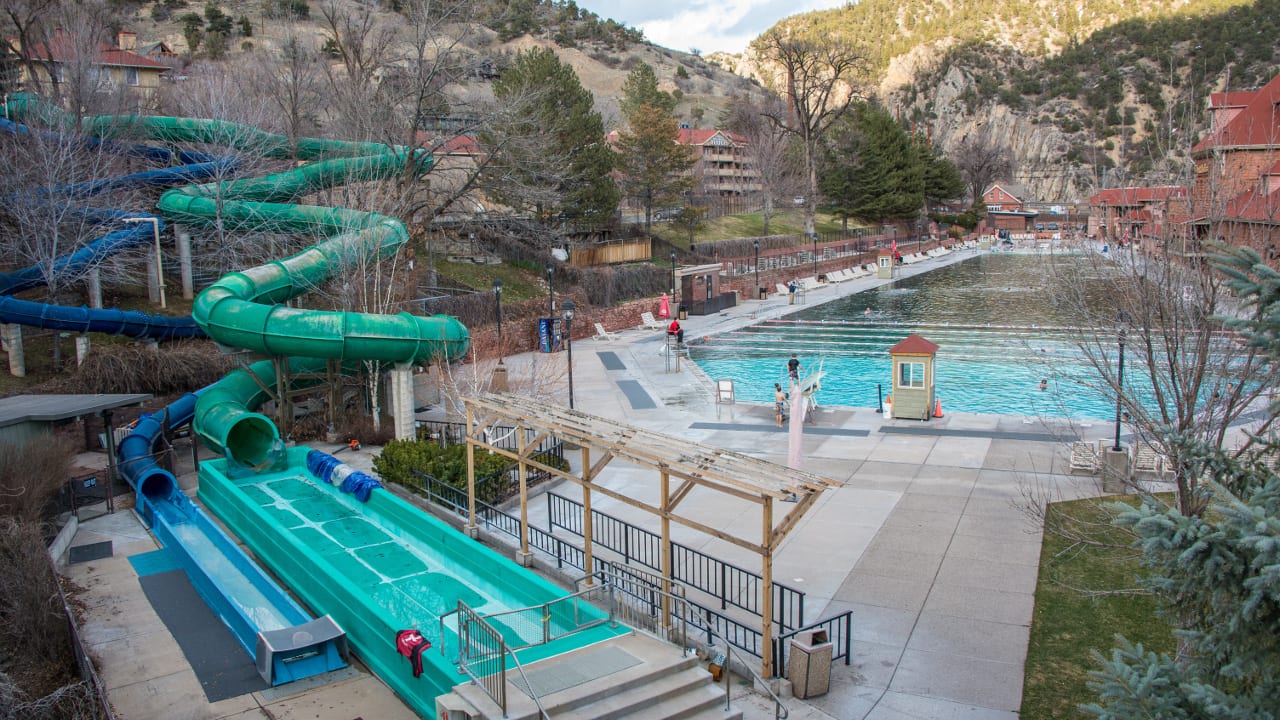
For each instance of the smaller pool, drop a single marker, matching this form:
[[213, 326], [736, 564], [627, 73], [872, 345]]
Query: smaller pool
[[383, 566]]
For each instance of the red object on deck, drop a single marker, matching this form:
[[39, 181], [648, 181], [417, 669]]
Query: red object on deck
[[664, 307], [937, 408]]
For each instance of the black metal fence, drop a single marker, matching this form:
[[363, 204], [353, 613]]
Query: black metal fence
[[727, 583], [839, 631]]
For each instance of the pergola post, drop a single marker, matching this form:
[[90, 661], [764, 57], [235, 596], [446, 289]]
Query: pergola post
[[766, 589], [473, 530], [524, 556], [665, 523], [587, 544]]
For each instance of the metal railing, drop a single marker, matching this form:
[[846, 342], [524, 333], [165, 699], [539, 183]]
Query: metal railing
[[619, 583], [727, 583], [548, 621], [839, 632]]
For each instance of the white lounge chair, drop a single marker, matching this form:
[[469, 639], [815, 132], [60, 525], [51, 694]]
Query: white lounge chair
[[649, 322], [1084, 458], [602, 334], [1148, 459], [782, 289]]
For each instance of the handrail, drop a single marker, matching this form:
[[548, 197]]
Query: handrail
[[541, 710], [780, 711]]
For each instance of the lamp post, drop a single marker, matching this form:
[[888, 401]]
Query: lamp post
[[497, 297], [756, 243], [568, 339], [155, 233], [1121, 318], [673, 276], [551, 297], [815, 254]]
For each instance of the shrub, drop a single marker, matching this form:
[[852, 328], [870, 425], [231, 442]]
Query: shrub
[[33, 623], [400, 458], [31, 473], [175, 368]]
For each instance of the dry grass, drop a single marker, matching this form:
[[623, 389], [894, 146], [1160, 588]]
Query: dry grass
[[31, 473], [136, 368]]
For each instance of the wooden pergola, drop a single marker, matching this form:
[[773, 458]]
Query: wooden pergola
[[681, 467]]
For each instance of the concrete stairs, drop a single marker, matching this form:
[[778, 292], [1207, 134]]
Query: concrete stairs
[[656, 683]]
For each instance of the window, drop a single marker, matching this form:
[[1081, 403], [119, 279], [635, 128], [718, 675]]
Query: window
[[59, 73], [131, 77], [911, 374]]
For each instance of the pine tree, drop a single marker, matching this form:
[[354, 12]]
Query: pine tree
[[547, 149], [1216, 573], [641, 88], [872, 170], [654, 166]]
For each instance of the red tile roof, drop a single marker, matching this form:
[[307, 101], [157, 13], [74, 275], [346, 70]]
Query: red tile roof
[[1258, 124], [914, 345], [1255, 205], [1137, 195], [1238, 98], [62, 48], [698, 136]]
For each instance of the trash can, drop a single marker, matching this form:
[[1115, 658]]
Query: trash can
[[764, 293], [684, 311], [809, 664]]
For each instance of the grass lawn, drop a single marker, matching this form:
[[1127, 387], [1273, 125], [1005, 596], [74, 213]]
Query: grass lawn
[[1069, 623], [517, 284], [786, 222]]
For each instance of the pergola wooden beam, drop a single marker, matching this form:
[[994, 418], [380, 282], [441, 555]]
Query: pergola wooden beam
[[691, 465]]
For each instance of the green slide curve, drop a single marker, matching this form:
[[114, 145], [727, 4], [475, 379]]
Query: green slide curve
[[245, 309]]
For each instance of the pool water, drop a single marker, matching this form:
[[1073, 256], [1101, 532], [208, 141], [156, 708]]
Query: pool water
[[999, 334]]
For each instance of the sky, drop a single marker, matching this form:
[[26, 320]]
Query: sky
[[708, 25]]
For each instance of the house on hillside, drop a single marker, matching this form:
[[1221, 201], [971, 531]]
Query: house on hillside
[[110, 67], [720, 164], [1236, 195], [1007, 209], [1134, 214]]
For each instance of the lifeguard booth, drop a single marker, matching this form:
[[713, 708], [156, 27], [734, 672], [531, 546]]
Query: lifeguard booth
[[884, 264], [913, 384]]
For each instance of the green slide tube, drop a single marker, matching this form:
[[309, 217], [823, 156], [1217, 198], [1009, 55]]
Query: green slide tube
[[243, 309]]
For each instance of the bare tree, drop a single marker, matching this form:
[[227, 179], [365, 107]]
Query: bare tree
[[981, 159], [768, 150], [29, 24], [292, 84], [820, 81]]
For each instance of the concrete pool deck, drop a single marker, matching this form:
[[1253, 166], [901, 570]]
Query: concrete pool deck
[[924, 540]]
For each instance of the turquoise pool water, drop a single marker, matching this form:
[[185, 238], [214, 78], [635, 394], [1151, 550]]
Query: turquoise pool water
[[998, 331]]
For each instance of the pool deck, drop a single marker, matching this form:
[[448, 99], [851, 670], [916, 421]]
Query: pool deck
[[926, 540]]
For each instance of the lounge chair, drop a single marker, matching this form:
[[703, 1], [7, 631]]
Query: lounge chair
[[782, 289], [1148, 459], [1084, 458], [602, 334], [649, 322]]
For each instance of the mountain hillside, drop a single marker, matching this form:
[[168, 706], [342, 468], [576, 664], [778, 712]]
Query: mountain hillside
[[1105, 93]]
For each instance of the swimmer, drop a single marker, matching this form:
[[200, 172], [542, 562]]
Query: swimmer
[[867, 311], [1044, 383]]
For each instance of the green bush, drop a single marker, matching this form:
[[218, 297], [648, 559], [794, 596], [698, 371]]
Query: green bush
[[400, 458]]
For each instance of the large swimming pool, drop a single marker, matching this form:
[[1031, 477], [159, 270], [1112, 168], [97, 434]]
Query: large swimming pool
[[999, 334]]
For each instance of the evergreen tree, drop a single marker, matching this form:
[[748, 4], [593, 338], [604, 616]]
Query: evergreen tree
[[654, 166], [641, 88], [1216, 573], [942, 180], [871, 169], [547, 149]]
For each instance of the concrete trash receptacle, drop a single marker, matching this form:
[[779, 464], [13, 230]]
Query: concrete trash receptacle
[[809, 664], [764, 293]]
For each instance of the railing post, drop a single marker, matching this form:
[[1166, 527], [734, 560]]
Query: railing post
[[724, 584], [546, 623]]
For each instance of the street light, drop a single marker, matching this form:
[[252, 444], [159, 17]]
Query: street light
[[756, 243], [497, 297], [551, 297], [155, 233], [673, 276], [568, 339], [815, 254], [1121, 319]]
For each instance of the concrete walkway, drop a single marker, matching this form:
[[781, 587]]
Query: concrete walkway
[[925, 541]]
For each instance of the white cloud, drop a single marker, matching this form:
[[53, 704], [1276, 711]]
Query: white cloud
[[710, 26]]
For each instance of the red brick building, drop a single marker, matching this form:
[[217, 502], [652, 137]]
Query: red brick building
[[1006, 208], [1121, 215], [1236, 195], [720, 163]]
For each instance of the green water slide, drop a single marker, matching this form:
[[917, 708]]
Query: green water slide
[[245, 309]]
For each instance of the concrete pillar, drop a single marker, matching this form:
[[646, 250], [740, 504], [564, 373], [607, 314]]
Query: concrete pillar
[[95, 288], [1115, 470], [13, 343], [82, 349], [524, 558], [402, 401], [498, 381], [183, 240], [153, 279]]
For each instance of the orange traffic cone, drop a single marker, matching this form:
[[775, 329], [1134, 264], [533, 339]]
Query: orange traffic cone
[[937, 408]]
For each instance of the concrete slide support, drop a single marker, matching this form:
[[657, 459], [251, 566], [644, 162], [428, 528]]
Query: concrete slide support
[[183, 240], [13, 344], [402, 401], [95, 288], [153, 280], [82, 349]]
